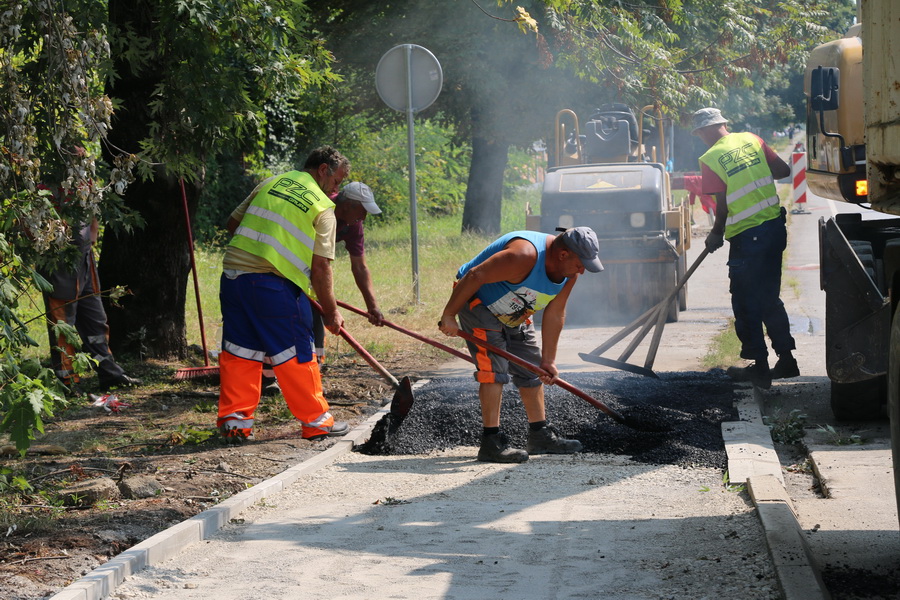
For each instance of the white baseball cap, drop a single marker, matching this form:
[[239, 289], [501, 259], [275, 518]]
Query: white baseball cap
[[360, 192]]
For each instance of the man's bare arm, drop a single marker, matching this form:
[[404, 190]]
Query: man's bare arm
[[513, 263], [322, 282], [363, 279]]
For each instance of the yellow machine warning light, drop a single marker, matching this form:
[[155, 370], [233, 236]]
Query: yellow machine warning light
[[862, 187]]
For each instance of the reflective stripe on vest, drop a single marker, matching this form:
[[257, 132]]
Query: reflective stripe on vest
[[739, 160], [278, 225], [753, 209]]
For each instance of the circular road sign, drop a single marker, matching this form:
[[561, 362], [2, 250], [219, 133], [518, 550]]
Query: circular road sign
[[424, 77]]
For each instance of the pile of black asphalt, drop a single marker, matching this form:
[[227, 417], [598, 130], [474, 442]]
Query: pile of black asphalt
[[684, 412]]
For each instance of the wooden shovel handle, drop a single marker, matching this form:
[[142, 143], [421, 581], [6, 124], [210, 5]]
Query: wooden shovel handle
[[362, 351], [539, 371], [412, 334]]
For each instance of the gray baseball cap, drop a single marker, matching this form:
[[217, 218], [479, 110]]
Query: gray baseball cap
[[583, 242], [706, 117], [360, 192]]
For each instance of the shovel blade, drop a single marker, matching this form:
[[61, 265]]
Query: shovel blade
[[403, 399], [617, 364]]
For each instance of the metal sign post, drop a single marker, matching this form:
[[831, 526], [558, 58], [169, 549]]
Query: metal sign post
[[409, 78]]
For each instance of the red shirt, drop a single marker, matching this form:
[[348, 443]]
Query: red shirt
[[352, 236]]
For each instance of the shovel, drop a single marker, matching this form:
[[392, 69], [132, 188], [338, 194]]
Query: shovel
[[653, 317], [499, 352], [403, 399], [633, 422], [539, 371]]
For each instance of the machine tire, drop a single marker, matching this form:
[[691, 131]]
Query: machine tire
[[858, 401], [893, 399], [675, 305], [672, 315], [680, 270], [866, 255]]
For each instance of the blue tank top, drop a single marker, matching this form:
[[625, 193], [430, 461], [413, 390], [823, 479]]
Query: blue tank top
[[514, 303]]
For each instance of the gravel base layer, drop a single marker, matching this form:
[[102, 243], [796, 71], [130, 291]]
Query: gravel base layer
[[446, 527], [678, 417]]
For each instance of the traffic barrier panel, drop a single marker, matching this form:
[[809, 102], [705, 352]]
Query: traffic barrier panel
[[798, 179]]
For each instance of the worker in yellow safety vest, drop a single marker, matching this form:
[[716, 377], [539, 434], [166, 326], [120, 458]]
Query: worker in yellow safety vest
[[279, 258], [740, 170]]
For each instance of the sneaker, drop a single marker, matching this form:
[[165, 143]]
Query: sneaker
[[548, 441], [785, 368], [757, 373], [495, 448], [338, 429]]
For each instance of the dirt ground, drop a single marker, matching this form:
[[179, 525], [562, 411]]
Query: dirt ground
[[46, 544]]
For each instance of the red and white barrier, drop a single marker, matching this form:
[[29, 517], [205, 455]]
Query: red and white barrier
[[798, 178]]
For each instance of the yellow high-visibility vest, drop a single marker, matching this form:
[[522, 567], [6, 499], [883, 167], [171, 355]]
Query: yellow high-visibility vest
[[278, 225], [739, 160]]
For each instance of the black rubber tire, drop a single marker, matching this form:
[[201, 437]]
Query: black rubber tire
[[672, 315], [675, 305], [680, 270], [893, 400], [859, 401]]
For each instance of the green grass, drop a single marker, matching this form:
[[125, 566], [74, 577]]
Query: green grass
[[725, 349]]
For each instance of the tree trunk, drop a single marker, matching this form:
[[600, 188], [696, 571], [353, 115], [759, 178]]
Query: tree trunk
[[484, 193], [152, 262]]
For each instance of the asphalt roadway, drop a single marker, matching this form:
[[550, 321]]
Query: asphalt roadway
[[346, 525]]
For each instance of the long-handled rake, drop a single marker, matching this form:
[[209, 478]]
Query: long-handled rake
[[629, 421], [207, 370], [654, 317]]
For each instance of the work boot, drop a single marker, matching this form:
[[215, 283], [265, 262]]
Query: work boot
[[495, 448], [785, 368], [757, 373], [547, 440], [270, 386], [321, 432]]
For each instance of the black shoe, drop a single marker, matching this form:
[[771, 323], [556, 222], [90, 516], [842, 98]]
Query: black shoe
[[339, 429], [270, 386], [548, 441], [785, 368], [74, 390], [121, 381], [757, 373], [495, 448]]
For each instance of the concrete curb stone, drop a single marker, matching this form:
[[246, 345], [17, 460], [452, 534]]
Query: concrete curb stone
[[103, 581], [752, 459]]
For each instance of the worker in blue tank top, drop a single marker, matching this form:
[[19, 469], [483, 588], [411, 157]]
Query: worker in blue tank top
[[495, 295]]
